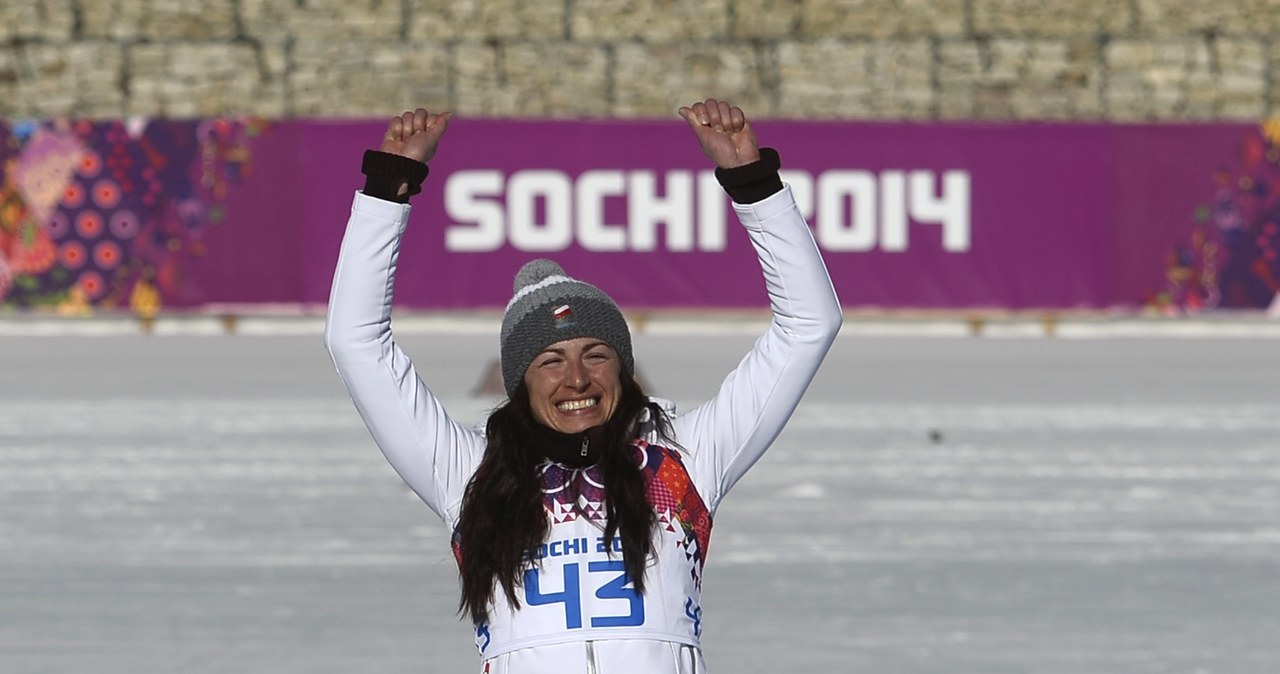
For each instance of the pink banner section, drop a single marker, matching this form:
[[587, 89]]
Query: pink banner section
[[155, 214]]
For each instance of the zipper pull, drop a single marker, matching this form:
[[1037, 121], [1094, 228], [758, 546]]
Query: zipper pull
[[585, 442]]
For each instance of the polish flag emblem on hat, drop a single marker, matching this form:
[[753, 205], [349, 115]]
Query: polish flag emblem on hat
[[562, 312]]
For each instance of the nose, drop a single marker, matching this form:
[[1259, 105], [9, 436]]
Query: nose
[[575, 376]]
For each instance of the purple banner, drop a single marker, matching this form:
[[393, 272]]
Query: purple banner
[[157, 214]]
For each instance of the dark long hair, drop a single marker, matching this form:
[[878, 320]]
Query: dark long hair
[[503, 520]]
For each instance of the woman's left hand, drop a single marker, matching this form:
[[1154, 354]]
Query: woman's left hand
[[723, 132]]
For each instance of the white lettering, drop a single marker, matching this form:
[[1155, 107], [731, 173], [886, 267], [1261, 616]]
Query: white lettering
[[465, 202], [525, 190], [541, 210], [593, 232], [711, 209], [645, 210], [893, 211], [836, 189], [951, 210]]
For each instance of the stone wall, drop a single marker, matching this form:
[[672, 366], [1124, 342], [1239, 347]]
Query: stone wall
[[847, 59]]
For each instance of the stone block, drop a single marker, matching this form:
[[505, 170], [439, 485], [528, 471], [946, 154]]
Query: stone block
[[1019, 79], [548, 79], [655, 80], [334, 20], [431, 20], [10, 103], [1050, 18], [47, 20], [96, 72], [112, 19], [881, 18], [477, 77], [961, 59], [652, 21], [79, 80], [195, 80], [1190, 78], [369, 79], [158, 19], [1196, 17], [275, 60], [1272, 100], [865, 80], [765, 19], [269, 20], [1158, 79], [1241, 79]]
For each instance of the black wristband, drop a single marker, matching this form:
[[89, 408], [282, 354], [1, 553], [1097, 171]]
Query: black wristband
[[385, 173], [753, 182]]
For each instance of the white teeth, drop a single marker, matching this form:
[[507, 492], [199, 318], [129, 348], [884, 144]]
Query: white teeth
[[574, 405]]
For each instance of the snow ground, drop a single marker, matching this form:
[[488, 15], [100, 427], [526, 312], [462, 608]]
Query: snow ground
[[938, 504]]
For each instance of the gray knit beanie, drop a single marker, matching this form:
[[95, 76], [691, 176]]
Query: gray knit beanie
[[548, 306]]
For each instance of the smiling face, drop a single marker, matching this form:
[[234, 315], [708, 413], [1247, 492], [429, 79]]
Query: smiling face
[[573, 385]]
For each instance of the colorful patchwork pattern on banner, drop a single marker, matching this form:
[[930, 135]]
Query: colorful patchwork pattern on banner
[[111, 214], [1232, 256]]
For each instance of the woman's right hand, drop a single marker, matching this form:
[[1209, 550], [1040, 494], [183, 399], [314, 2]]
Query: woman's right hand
[[416, 134]]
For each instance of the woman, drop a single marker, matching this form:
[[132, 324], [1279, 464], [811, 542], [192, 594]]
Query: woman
[[581, 516]]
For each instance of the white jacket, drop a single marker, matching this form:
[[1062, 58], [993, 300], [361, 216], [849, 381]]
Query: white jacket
[[717, 443]]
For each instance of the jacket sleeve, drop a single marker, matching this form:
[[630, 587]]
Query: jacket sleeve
[[433, 453], [726, 435]]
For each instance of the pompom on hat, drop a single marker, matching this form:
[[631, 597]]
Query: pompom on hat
[[549, 306]]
